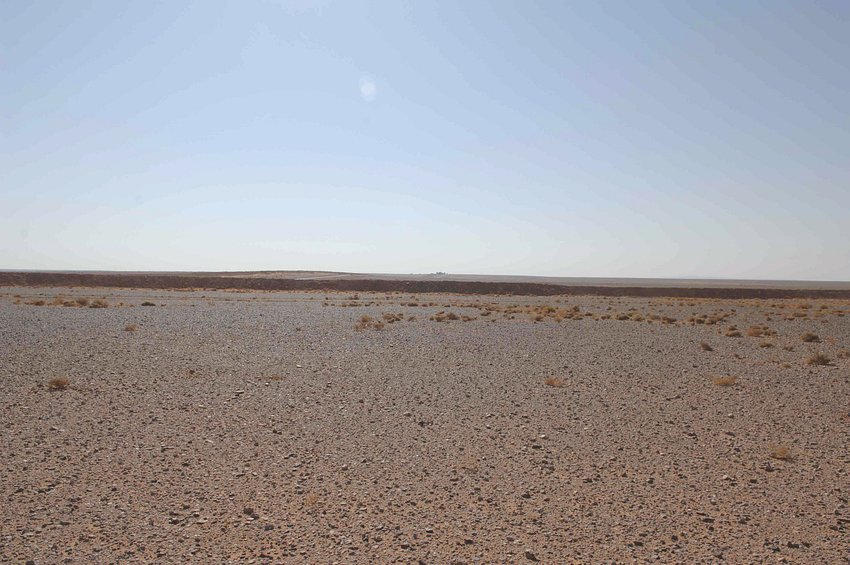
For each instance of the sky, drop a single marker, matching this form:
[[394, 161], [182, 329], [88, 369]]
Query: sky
[[604, 138]]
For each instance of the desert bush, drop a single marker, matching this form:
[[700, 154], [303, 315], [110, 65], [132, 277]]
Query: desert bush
[[725, 380], [366, 322], [99, 303], [705, 347], [58, 383], [765, 344], [809, 337], [818, 359], [782, 452], [554, 381], [131, 327], [148, 303]]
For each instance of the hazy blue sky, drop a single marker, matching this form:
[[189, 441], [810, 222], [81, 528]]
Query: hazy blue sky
[[628, 138]]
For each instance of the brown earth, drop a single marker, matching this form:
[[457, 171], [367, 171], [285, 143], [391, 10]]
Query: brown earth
[[231, 426]]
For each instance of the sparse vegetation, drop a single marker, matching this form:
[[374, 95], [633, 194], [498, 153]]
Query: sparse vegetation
[[725, 380], [58, 383], [781, 452], [705, 347], [99, 303], [311, 500], [131, 327], [366, 322], [554, 381], [148, 303], [810, 337], [818, 359]]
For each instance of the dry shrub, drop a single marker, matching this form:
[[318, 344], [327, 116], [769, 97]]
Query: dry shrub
[[366, 322], [452, 316], [725, 380], [705, 347], [36, 303], [554, 381], [782, 452], [765, 344], [276, 378], [82, 302], [844, 354], [58, 383], [148, 303], [131, 327], [311, 500], [755, 331], [788, 347], [99, 303], [732, 333], [809, 337], [818, 359]]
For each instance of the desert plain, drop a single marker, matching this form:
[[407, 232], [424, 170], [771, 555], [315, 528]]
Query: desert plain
[[215, 426]]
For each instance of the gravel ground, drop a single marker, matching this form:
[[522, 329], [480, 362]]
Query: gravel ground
[[263, 427]]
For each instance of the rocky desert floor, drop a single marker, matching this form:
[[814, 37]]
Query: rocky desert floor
[[238, 427]]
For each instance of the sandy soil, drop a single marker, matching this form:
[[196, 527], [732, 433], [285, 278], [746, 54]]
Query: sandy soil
[[233, 426]]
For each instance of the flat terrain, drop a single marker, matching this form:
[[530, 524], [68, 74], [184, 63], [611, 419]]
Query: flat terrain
[[433, 283], [332, 427]]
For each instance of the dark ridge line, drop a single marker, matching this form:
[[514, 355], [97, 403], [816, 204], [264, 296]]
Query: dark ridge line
[[165, 282]]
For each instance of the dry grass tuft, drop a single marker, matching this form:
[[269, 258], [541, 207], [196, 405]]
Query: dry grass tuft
[[366, 322], [311, 500], [36, 302], [131, 327], [818, 359], [810, 337], [148, 303], [58, 383], [844, 354], [788, 347], [781, 452], [555, 382], [705, 347], [99, 303], [765, 344], [725, 380]]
